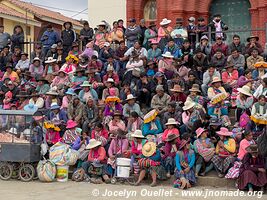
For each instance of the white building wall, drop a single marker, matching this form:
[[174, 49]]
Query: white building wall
[[109, 10]]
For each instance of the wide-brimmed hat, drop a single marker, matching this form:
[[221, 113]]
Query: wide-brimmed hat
[[199, 131], [102, 24], [165, 21], [23, 94], [86, 84], [54, 106], [52, 92], [27, 73], [159, 88], [261, 64], [179, 20], [204, 37], [54, 46], [154, 42], [253, 148], [117, 113], [73, 57], [13, 131], [38, 118], [150, 116], [30, 108], [70, 91], [93, 143], [183, 143], [36, 59], [191, 19], [245, 90], [171, 137], [171, 121], [229, 64], [216, 79], [215, 121], [152, 24], [79, 70], [106, 44], [130, 97], [68, 22], [110, 80], [195, 88], [224, 132], [74, 44], [252, 36], [50, 60], [71, 124], [24, 53], [176, 88], [112, 99], [167, 55], [188, 105], [149, 149], [137, 134]]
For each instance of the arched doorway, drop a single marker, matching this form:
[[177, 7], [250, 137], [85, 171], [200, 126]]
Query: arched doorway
[[150, 10], [235, 14]]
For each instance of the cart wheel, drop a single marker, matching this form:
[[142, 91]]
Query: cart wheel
[[15, 173], [26, 172], [113, 180], [6, 171], [131, 180]]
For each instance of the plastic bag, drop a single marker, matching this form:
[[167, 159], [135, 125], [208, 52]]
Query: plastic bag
[[46, 170]]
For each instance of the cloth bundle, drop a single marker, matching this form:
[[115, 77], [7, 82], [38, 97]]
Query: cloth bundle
[[46, 170]]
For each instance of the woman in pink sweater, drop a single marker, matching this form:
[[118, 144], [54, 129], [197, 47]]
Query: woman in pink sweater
[[171, 129], [116, 124], [247, 141]]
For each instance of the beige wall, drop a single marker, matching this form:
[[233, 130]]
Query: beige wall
[[109, 10]]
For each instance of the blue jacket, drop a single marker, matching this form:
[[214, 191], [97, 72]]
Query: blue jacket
[[147, 131], [53, 38], [93, 93], [175, 51], [62, 115], [190, 156], [255, 73]]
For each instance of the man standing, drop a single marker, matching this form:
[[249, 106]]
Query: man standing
[[87, 34], [4, 38], [49, 38], [68, 36], [132, 33], [217, 25]]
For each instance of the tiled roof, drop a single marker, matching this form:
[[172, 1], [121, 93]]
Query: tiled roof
[[42, 12], [12, 12]]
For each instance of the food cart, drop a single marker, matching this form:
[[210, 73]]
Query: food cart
[[19, 151]]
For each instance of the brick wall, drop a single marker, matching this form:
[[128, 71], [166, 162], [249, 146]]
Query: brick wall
[[173, 9]]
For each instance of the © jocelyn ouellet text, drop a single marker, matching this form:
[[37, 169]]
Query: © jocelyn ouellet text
[[126, 193]]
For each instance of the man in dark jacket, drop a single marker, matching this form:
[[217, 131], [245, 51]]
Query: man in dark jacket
[[87, 34], [132, 33], [68, 36], [236, 44], [217, 25]]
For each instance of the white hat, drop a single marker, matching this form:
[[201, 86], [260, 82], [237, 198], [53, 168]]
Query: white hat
[[171, 121], [110, 68], [13, 131], [168, 55], [54, 46], [111, 80], [129, 97], [245, 90], [92, 144], [102, 24], [50, 60], [192, 19], [36, 59], [165, 21], [52, 92], [138, 134], [188, 105], [106, 44]]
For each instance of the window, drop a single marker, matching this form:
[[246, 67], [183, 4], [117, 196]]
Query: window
[[150, 10]]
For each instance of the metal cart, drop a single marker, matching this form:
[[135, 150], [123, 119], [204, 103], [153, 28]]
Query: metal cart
[[19, 153]]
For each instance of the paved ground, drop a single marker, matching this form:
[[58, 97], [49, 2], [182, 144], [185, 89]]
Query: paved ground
[[16, 190]]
